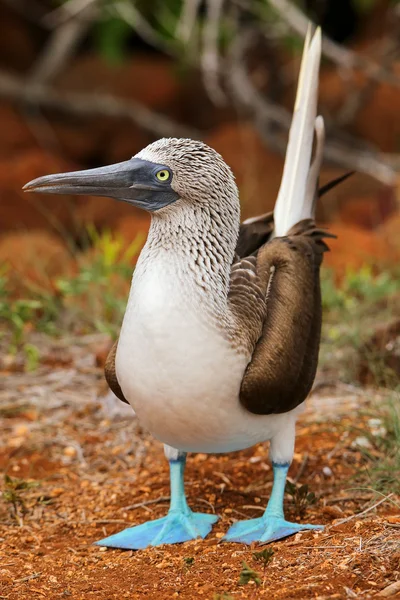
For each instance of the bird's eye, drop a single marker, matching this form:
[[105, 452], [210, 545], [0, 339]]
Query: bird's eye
[[163, 175]]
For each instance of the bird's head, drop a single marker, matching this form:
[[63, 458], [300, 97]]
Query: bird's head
[[168, 172]]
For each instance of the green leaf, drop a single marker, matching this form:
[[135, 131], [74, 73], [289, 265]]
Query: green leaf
[[111, 38]]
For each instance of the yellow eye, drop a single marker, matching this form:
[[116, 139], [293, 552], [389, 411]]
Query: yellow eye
[[163, 175]]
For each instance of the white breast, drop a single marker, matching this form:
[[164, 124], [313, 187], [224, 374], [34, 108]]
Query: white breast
[[179, 373]]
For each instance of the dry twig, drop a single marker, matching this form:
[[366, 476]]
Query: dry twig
[[362, 513], [146, 503], [187, 20], [270, 119], [210, 54], [89, 105], [343, 57], [68, 10], [61, 46]]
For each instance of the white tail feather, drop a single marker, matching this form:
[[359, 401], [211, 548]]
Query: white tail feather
[[296, 198]]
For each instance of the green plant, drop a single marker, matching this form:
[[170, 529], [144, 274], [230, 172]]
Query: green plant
[[264, 556], [351, 312], [111, 35], [96, 296], [357, 286], [301, 497], [188, 562], [248, 574], [13, 494], [32, 355], [20, 314], [92, 299], [382, 431]]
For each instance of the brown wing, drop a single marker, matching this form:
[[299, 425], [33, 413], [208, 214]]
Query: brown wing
[[285, 289], [111, 376], [254, 233]]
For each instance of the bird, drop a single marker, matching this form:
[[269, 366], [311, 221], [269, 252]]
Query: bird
[[219, 343]]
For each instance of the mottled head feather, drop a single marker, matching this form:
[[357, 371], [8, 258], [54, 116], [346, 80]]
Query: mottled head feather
[[200, 174], [200, 229]]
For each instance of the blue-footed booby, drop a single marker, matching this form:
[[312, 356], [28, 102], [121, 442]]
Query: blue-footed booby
[[219, 343]]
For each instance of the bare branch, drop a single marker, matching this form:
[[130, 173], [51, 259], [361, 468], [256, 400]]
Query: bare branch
[[357, 98], [210, 54], [271, 119], [129, 13], [89, 105], [68, 10], [343, 57], [61, 46], [373, 164], [187, 20], [245, 92]]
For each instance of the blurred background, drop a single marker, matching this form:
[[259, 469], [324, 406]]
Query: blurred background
[[89, 82]]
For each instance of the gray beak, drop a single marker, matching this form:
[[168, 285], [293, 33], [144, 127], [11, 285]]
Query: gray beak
[[132, 181]]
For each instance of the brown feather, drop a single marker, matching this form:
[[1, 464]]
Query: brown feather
[[287, 321], [111, 376], [254, 234]]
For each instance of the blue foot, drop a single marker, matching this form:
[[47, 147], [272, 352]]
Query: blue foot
[[176, 527], [272, 525], [264, 529]]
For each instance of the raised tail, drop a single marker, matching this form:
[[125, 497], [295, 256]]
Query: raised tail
[[298, 192]]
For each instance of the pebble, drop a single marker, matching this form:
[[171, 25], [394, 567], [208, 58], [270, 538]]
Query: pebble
[[69, 451]]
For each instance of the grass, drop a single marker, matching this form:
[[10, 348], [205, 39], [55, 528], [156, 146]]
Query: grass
[[96, 296], [301, 498], [13, 495], [352, 310], [248, 574], [362, 286], [92, 299], [382, 454]]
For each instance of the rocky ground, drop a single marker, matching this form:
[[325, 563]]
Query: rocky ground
[[78, 467]]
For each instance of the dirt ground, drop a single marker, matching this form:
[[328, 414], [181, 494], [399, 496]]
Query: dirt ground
[[89, 470]]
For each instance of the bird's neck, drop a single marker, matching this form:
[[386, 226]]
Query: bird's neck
[[200, 245]]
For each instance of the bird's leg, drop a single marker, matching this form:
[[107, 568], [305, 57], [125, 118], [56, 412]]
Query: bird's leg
[[272, 525], [181, 523]]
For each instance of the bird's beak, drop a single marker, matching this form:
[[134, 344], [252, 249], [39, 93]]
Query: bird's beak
[[132, 181]]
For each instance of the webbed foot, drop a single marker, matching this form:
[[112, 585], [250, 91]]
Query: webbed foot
[[176, 527], [264, 529]]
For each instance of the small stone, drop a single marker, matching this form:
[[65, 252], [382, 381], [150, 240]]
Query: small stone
[[69, 451], [21, 430], [361, 442], [377, 428], [390, 590]]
